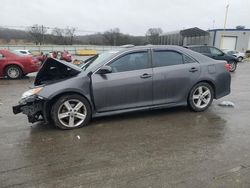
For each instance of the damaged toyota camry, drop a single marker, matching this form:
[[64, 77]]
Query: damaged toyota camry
[[126, 80]]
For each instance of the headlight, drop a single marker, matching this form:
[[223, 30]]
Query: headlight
[[31, 92]]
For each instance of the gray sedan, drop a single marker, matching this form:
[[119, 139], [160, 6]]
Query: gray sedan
[[124, 80]]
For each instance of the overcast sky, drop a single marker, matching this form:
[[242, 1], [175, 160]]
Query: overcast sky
[[131, 16]]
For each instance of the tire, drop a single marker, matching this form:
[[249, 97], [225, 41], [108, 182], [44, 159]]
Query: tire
[[200, 97], [240, 59], [233, 66], [13, 72], [71, 112]]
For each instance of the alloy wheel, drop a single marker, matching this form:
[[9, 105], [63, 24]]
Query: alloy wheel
[[72, 113], [201, 97]]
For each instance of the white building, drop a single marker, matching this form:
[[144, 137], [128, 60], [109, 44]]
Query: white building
[[230, 39]]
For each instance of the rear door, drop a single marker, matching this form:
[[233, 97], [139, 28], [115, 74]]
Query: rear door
[[174, 75], [128, 86]]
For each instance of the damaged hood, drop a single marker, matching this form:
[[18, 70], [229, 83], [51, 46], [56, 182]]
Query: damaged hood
[[54, 70]]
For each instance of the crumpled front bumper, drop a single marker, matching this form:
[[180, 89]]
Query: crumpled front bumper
[[33, 107]]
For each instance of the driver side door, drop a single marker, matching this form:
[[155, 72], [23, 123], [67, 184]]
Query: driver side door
[[129, 85]]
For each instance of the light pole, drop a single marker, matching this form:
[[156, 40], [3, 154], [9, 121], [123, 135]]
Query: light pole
[[224, 28]]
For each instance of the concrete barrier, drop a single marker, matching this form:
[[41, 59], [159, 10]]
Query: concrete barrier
[[48, 48], [85, 52]]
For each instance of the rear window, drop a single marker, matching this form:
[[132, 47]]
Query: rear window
[[167, 58], [197, 49], [200, 49]]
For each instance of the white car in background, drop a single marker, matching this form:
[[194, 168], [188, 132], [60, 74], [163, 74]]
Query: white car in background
[[239, 55], [23, 52]]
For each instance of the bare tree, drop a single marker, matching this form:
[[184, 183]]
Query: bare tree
[[58, 36], [70, 34], [153, 35], [112, 36], [38, 33]]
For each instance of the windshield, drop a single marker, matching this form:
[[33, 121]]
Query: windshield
[[95, 60]]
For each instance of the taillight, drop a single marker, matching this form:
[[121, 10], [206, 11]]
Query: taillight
[[227, 67]]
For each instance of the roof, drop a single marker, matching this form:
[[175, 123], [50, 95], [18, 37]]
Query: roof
[[229, 30], [191, 32]]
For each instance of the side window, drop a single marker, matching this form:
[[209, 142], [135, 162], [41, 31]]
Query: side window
[[188, 59], [197, 49], [204, 49], [167, 58], [130, 62], [215, 51]]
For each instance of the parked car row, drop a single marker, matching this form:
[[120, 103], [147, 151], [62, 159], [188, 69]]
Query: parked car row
[[18, 63], [61, 55]]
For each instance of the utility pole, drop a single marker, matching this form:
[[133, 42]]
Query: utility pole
[[42, 35], [224, 28]]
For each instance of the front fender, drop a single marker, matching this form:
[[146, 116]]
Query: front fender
[[78, 84]]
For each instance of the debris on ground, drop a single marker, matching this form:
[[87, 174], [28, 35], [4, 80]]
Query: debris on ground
[[78, 137], [226, 104]]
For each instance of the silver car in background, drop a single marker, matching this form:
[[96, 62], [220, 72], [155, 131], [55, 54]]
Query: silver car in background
[[239, 55], [124, 80]]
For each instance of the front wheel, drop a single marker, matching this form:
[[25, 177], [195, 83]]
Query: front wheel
[[240, 59], [233, 66], [200, 97], [71, 111]]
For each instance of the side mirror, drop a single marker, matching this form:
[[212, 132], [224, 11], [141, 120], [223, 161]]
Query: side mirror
[[104, 70]]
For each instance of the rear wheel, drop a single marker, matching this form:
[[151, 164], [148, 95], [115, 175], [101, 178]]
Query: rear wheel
[[71, 111], [200, 97], [13, 72], [233, 66]]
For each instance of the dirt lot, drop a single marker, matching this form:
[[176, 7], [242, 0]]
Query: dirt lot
[[162, 148]]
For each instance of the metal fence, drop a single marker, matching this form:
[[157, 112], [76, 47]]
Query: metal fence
[[48, 48]]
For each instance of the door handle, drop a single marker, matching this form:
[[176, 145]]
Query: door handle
[[193, 69], [146, 75]]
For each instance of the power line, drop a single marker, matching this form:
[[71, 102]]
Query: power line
[[49, 28]]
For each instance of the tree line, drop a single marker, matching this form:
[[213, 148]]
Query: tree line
[[39, 35]]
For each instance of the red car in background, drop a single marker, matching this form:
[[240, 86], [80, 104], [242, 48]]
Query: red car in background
[[61, 55], [15, 66]]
